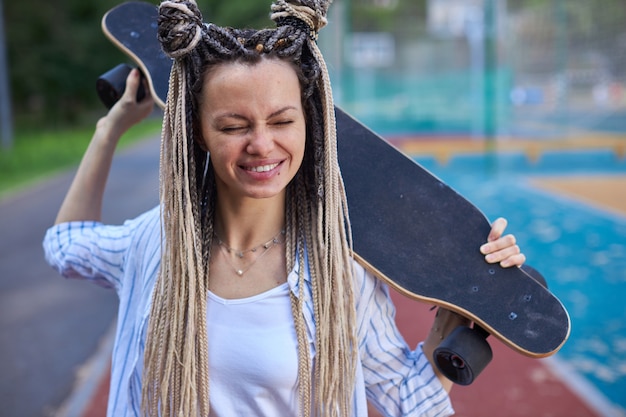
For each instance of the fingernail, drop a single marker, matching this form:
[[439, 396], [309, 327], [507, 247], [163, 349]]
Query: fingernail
[[484, 249], [490, 258]]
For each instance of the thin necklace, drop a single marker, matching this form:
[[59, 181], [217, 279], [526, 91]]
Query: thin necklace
[[240, 253]]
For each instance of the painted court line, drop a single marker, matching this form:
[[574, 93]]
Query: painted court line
[[582, 388]]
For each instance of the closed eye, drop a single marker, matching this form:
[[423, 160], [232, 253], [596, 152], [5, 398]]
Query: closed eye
[[233, 129]]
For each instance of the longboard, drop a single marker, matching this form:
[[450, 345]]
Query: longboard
[[409, 228]]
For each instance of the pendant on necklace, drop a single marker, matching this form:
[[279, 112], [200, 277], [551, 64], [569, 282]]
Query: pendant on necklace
[[225, 249]]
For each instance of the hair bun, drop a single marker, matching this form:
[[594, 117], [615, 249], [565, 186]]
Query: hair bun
[[296, 12], [179, 27]]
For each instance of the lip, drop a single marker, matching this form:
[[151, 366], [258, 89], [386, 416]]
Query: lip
[[261, 168]]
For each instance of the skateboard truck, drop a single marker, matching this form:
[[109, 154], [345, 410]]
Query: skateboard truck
[[463, 354], [111, 85]]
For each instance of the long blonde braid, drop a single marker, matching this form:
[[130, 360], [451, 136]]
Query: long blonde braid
[[176, 370], [176, 375]]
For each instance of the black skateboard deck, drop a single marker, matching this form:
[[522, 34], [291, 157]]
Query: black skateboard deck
[[132, 27], [409, 228]]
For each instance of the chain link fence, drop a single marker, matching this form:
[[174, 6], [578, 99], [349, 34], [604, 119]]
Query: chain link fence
[[494, 69]]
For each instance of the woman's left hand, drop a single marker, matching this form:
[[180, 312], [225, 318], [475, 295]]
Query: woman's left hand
[[502, 249]]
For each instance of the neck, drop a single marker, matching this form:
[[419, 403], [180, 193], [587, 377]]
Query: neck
[[246, 224]]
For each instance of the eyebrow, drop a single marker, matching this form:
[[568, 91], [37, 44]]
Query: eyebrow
[[239, 116]]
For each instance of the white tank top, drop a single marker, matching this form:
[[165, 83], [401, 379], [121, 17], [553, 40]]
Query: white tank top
[[253, 355]]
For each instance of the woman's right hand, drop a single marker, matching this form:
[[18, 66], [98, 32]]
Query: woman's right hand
[[127, 111]]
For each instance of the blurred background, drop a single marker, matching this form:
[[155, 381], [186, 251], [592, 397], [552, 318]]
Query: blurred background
[[480, 67], [518, 104]]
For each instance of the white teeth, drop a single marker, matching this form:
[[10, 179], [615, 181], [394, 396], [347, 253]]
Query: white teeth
[[263, 168]]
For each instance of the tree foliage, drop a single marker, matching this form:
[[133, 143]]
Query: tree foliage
[[56, 51]]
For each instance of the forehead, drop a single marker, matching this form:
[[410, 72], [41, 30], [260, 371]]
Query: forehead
[[263, 68], [237, 78]]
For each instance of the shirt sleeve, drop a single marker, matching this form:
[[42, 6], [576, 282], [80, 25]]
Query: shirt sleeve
[[399, 381], [91, 250]]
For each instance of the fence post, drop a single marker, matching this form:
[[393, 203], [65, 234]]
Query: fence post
[[6, 123], [490, 67]]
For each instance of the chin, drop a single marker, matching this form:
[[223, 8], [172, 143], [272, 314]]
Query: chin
[[267, 193]]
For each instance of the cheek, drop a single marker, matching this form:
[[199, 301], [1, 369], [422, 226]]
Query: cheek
[[211, 143], [220, 170], [219, 158]]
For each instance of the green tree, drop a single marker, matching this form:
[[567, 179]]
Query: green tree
[[56, 51]]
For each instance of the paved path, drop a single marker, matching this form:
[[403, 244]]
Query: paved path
[[49, 326]]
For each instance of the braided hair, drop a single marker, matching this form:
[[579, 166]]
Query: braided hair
[[176, 372]]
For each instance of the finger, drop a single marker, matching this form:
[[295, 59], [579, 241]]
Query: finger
[[497, 228], [498, 244], [503, 255], [514, 260], [146, 87], [132, 84]]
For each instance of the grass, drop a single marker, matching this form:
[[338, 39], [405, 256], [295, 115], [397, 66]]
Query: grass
[[36, 155]]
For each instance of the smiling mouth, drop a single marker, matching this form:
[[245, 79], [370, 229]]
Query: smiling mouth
[[262, 168]]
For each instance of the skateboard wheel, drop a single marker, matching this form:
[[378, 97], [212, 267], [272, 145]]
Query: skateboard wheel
[[463, 355], [111, 85]]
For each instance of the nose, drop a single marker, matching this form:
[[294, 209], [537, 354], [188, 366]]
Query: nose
[[261, 142]]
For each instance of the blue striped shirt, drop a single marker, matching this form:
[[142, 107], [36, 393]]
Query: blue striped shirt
[[397, 380]]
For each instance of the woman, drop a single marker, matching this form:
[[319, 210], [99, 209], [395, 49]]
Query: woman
[[238, 294]]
